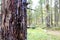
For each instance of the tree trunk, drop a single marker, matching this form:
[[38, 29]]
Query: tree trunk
[[56, 13], [14, 20], [59, 11], [51, 18], [48, 14]]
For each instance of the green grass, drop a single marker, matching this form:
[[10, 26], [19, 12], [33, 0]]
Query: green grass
[[39, 34]]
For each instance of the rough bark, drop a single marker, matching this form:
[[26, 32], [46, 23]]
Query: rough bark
[[14, 20]]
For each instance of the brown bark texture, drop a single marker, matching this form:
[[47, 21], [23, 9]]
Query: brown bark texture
[[14, 20]]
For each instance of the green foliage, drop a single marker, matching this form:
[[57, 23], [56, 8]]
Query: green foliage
[[30, 1], [41, 1]]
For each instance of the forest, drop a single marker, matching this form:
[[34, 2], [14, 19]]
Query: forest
[[45, 13], [43, 20], [29, 19]]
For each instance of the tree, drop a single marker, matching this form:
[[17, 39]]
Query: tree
[[41, 9], [29, 13], [14, 20], [51, 11], [56, 13], [59, 10], [48, 14]]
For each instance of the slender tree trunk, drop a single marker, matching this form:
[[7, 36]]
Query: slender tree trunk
[[48, 14], [51, 19], [59, 11], [56, 13], [41, 12]]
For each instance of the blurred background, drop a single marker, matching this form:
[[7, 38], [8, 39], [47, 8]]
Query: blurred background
[[43, 20], [44, 13]]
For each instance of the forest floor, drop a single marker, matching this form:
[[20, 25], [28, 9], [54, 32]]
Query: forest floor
[[56, 33], [43, 34]]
